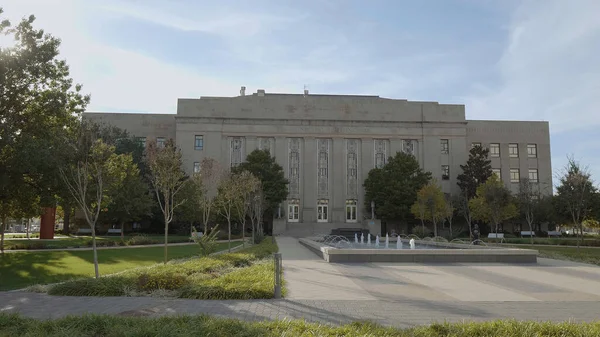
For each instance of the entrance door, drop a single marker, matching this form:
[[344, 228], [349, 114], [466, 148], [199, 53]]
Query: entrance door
[[322, 213], [293, 213], [350, 213]]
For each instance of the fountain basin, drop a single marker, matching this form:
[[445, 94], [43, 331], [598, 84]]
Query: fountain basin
[[440, 252]]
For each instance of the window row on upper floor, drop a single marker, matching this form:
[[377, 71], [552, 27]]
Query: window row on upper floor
[[513, 150]]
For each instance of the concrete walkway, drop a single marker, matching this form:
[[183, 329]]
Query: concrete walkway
[[400, 295]]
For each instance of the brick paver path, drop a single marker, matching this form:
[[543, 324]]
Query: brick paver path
[[400, 295]]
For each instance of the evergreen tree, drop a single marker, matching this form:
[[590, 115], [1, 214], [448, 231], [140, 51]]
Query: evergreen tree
[[476, 171]]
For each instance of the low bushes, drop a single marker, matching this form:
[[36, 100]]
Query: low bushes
[[239, 275], [104, 325]]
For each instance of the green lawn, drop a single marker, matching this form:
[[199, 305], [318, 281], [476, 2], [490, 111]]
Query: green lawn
[[105, 325], [86, 241], [22, 269], [584, 254]]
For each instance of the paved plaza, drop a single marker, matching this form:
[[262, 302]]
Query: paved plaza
[[400, 295]]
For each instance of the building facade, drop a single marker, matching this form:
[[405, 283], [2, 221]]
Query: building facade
[[328, 143]]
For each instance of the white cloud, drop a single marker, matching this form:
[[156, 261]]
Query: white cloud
[[550, 68]]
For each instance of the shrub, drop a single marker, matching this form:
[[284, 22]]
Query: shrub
[[140, 239], [104, 286], [207, 242], [167, 280]]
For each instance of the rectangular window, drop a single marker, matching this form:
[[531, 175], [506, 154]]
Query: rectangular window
[[351, 210], [532, 150], [513, 150], [445, 146], [322, 210], [445, 172], [475, 144], [199, 142], [497, 172], [514, 175], [494, 150], [196, 167], [293, 211], [142, 141], [160, 142], [533, 175]]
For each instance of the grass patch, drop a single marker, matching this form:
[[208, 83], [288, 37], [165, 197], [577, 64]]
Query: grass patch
[[22, 269], [86, 241], [104, 325], [245, 274], [585, 255]]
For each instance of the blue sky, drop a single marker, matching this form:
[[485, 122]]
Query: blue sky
[[503, 59]]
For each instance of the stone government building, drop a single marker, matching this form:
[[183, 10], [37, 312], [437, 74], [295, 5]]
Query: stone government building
[[328, 143]]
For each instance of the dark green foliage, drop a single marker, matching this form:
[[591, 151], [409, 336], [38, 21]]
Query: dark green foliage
[[476, 171], [203, 325], [271, 175], [394, 187]]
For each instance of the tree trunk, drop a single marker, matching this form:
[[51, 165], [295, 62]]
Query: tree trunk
[[450, 227], [422, 228], [580, 240], [66, 219], [95, 251], [28, 229], [531, 229], [3, 227], [166, 238], [229, 234], [122, 230], [244, 234], [434, 228]]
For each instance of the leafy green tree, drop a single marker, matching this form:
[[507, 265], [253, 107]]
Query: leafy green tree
[[190, 210], [493, 203], [38, 105], [394, 187], [263, 166], [430, 204], [167, 178], [575, 195], [476, 171], [128, 198]]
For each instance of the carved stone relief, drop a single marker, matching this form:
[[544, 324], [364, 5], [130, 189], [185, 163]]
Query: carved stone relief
[[322, 167], [352, 168], [409, 146], [266, 143], [236, 151], [294, 167], [381, 152]]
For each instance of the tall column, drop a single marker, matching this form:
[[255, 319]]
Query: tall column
[[366, 163]]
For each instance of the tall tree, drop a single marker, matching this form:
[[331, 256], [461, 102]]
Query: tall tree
[[88, 180], [128, 198], [191, 194], [211, 173], [256, 211], [167, 178], [227, 199], [448, 212], [461, 202], [575, 195], [528, 199], [493, 203], [430, 198], [247, 184], [263, 166], [394, 187], [38, 104], [476, 171]]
